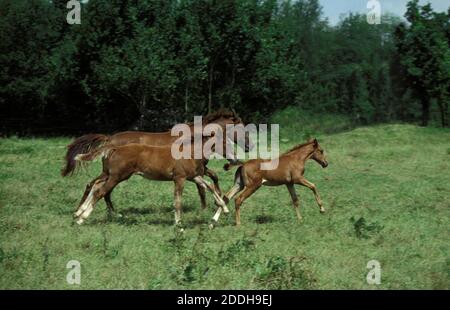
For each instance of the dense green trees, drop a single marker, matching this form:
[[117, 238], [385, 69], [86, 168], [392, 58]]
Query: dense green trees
[[424, 48], [150, 63]]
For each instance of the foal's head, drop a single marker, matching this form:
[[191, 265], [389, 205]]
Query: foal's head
[[318, 154]]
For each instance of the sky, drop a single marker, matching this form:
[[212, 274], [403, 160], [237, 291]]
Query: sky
[[334, 8]]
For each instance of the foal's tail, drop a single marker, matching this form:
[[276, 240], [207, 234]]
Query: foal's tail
[[230, 165], [82, 145]]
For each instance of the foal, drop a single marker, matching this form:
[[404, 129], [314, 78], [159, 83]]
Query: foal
[[250, 177], [151, 162]]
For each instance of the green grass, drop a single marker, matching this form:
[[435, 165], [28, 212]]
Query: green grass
[[386, 191]]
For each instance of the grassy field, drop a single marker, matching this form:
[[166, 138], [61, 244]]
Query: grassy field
[[386, 191]]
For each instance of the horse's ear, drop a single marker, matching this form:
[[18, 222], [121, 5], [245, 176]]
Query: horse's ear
[[314, 142]]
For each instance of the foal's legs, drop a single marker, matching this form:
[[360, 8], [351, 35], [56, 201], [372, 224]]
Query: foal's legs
[[237, 187], [295, 201], [179, 186], [248, 191], [232, 192], [311, 186]]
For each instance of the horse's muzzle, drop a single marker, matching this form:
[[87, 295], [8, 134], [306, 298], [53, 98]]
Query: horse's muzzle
[[324, 164]]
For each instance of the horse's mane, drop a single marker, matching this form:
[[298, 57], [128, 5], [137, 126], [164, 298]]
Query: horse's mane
[[298, 146], [211, 117]]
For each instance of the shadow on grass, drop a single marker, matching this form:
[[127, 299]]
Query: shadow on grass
[[161, 216], [264, 219], [149, 215], [137, 211]]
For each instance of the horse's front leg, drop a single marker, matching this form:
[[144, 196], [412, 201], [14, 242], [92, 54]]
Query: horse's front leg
[[213, 176], [311, 186], [179, 186]]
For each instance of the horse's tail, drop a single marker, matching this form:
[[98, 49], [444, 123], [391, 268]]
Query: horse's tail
[[239, 184], [230, 165], [82, 145]]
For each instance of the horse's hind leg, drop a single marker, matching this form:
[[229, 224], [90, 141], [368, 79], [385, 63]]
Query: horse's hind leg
[[89, 187], [295, 201], [97, 193], [248, 191], [219, 201], [109, 203], [88, 194], [237, 187], [202, 194]]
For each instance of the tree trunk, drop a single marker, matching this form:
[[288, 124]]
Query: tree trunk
[[425, 111], [443, 107]]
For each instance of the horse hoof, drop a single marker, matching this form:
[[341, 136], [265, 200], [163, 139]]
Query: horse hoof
[[211, 226], [322, 211], [226, 210], [79, 221]]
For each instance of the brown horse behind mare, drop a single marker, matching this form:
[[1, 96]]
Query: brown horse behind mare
[[92, 142], [291, 166], [151, 162]]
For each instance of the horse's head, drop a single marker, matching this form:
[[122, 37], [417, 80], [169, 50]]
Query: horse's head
[[225, 118], [318, 154]]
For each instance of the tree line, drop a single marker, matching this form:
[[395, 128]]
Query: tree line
[[147, 64]]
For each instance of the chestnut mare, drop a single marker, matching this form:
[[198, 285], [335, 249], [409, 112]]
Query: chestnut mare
[[249, 177], [151, 162], [93, 142]]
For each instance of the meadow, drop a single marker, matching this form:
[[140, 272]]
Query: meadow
[[386, 192]]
